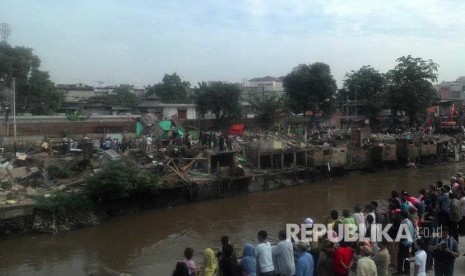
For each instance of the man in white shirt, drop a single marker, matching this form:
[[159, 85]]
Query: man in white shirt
[[149, 144], [263, 255], [283, 256], [420, 259]]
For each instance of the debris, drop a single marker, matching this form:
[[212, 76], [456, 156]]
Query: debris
[[20, 172], [31, 191], [112, 155], [44, 145], [21, 156]]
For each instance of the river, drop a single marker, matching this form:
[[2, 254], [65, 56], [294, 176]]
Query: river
[[151, 242]]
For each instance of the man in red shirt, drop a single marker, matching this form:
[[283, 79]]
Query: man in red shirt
[[343, 259]]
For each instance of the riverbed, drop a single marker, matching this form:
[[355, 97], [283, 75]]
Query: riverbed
[[151, 242]]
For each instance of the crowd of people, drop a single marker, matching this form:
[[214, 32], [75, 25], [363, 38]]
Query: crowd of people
[[431, 221]]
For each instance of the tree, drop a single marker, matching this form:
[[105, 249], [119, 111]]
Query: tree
[[35, 92], [171, 90], [268, 108], [311, 87], [122, 96], [365, 87], [219, 98], [42, 97], [409, 86]]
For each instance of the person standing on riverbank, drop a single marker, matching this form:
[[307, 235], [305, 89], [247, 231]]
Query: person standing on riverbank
[[344, 257], [445, 251], [444, 207], [248, 264], [382, 259], [455, 216], [228, 264], [403, 266], [263, 255], [420, 259], [188, 254], [210, 263], [305, 263], [283, 256], [181, 269], [462, 210], [358, 215], [365, 265]]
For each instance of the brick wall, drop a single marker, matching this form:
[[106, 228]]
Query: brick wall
[[58, 128]]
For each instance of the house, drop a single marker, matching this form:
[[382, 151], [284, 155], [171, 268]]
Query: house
[[263, 87], [152, 104], [74, 93], [452, 90]]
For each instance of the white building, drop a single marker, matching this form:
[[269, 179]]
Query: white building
[[263, 86], [152, 104]]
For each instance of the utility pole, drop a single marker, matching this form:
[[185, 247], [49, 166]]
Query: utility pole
[[355, 102], [14, 114]]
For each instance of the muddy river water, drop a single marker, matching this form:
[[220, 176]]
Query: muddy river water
[[151, 242]]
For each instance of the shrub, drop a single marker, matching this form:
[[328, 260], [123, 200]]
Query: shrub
[[146, 186], [56, 172], [119, 181], [62, 203]]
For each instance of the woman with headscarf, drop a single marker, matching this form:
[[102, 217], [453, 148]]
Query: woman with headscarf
[[210, 263], [248, 265]]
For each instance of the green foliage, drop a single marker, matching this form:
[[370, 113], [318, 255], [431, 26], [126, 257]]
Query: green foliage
[[171, 90], [75, 116], [218, 98], [268, 108], [311, 87], [56, 172], [62, 203], [122, 96], [145, 186], [367, 87], [35, 92], [409, 85], [119, 181]]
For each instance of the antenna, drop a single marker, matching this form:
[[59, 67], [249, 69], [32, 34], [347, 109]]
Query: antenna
[[5, 32]]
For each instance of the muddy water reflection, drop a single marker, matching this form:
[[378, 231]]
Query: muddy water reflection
[[151, 242]]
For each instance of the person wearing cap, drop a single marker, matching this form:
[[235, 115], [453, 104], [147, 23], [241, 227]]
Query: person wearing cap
[[283, 256], [365, 265], [305, 264]]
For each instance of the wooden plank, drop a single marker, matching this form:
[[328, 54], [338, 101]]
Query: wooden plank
[[178, 174], [192, 162]]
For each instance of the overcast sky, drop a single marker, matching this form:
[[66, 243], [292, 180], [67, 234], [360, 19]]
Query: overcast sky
[[136, 42]]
